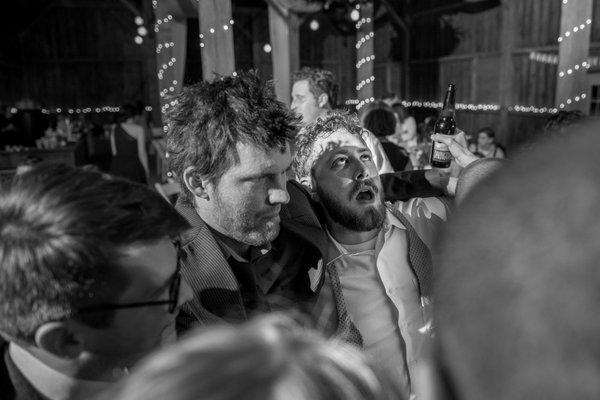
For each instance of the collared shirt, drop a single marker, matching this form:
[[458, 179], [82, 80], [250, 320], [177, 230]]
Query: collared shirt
[[264, 284], [50, 382], [381, 291]]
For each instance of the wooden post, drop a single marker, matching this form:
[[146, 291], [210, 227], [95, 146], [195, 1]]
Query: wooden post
[[574, 43], [505, 83], [365, 49], [284, 31], [216, 38], [170, 53], [151, 87]]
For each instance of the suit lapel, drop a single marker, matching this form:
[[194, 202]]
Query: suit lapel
[[205, 269]]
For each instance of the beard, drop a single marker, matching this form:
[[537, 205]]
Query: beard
[[240, 223], [361, 220]]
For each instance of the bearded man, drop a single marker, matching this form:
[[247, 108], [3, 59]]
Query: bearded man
[[379, 268]]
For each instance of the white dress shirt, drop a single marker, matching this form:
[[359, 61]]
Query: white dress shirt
[[381, 291]]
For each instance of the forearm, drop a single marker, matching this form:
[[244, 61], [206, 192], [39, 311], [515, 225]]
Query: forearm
[[401, 186]]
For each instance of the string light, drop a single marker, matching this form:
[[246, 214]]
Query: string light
[[482, 107], [575, 29], [368, 58], [363, 39], [86, 110], [212, 30], [543, 57], [576, 99], [364, 102], [365, 82], [364, 60]]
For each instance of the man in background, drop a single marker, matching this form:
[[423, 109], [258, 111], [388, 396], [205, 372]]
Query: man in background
[[88, 281], [314, 93]]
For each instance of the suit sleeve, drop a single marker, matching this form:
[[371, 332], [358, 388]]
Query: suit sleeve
[[401, 186]]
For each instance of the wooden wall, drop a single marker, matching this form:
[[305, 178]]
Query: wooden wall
[[333, 50], [81, 53], [467, 49], [10, 77]]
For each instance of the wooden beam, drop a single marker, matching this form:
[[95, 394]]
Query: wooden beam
[[573, 50], [287, 7], [217, 38], [366, 48], [405, 26], [284, 34], [134, 10], [505, 83]]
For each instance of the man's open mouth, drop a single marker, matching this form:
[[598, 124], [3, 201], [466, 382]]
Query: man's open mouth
[[366, 194]]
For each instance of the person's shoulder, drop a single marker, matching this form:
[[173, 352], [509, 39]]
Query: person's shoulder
[[132, 128]]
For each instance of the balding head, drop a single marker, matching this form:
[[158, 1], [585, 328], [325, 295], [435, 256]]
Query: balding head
[[518, 289]]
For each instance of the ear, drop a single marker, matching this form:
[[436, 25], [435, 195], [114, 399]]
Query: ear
[[194, 183], [322, 100], [59, 339], [309, 184]]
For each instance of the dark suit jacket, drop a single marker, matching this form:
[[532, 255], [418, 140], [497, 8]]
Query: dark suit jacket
[[215, 287], [216, 292]]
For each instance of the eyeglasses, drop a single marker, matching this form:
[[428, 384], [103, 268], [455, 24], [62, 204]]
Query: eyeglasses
[[172, 302]]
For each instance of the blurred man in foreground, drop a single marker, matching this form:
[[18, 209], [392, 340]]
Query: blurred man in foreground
[[517, 293], [88, 280]]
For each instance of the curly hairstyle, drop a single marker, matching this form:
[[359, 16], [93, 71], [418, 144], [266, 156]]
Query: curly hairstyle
[[319, 81], [209, 119], [324, 126]]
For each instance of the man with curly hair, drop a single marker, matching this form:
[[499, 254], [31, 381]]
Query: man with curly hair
[[379, 260], [314, 93]]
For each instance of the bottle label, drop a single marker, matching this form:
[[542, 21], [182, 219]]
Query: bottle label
[[441, 153]]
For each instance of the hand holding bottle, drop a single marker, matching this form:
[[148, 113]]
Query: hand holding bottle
[[457, 145]]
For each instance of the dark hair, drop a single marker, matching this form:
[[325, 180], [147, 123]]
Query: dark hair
[[319, 81], [488, 131], [324, 126], [518, 277], [127, 111], [381, 121], [563, 119], [400, 111], [61, 229], [210, 118]]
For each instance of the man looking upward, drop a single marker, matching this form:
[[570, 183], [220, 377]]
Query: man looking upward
[[379, 262]]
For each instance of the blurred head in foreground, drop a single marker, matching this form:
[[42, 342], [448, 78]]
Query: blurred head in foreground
[[271, 358], [517, 290], [88, 271]]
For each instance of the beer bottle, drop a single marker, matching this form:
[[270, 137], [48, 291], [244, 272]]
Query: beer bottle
[[440, 156]]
